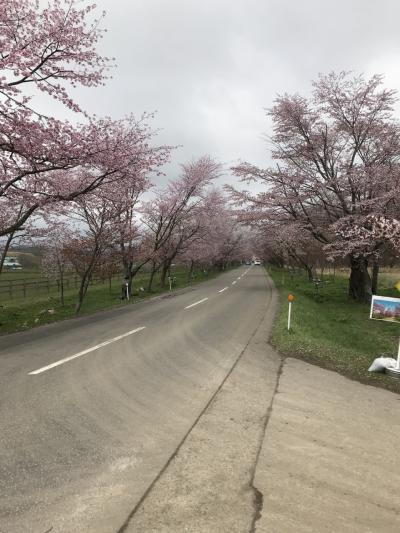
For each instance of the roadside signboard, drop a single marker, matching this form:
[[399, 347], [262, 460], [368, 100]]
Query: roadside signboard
[[385, 308]]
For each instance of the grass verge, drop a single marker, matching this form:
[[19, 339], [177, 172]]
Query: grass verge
[[30, 313], [333, 331]]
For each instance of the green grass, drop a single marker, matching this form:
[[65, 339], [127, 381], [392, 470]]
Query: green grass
[[12, 275], [32, 312], [333, 331]]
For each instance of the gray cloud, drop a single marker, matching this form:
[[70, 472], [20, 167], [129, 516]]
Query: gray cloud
[[210, 67]]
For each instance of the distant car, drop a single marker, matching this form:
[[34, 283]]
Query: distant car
[[248, 262], [257, 262]]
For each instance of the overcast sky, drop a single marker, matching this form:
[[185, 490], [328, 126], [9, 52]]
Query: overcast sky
[[210, 67]]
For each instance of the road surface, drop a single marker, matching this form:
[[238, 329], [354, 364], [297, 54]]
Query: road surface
[[92, 409]]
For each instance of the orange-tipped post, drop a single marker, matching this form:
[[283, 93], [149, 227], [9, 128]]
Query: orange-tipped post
[[290, 300]]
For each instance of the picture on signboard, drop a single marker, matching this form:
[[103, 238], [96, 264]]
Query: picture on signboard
[[385, 308]]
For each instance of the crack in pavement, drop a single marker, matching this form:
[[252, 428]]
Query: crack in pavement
[[258, 500]]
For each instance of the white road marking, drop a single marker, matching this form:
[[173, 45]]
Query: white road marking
[[233, 282], [224, 289], [196, 303], [84, 352]]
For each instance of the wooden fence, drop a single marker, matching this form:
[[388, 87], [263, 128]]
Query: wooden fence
[[17, 289]]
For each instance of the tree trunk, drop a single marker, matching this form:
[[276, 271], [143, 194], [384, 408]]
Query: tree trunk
[[360, 288], [190, 272], [310, 272], [152, 274], [81, 293], [85, 280], [130, 273], [62, 288], [126, 288], [164, 272], [127, 280], [375, 274], [5, 250]]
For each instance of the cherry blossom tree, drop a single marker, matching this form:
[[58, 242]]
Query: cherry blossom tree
[[201, 250], [61, 163], [231, 245], [173, 217], [45, 161], [55, 262], [336, 156], [291, 245], [101, 216], [131, 245], [109, 267], [366, 236], [222, 240], [95, 238], [48, 47]]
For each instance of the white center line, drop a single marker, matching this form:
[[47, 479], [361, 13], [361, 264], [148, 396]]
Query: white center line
[[224, 289], [84, 352], [233, 282], [196, 303]]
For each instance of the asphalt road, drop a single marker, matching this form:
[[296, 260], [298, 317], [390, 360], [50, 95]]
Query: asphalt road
[[84, 432]]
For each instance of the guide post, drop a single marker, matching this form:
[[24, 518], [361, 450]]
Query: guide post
[[290, 300]]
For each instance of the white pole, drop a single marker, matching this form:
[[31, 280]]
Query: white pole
[[170, 283], [127, 290], [289, 316], [398, 358]]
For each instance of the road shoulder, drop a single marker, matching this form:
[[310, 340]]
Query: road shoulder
[[330, 458]]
